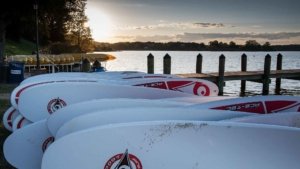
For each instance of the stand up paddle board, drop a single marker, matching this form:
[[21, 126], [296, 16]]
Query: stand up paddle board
[[195, 99], [54, 76], [35, 104], [57, 119], [36, 136], [256, 104], [20, 122], [96, 75], [191, 86], [24, 148], [177, 144], [290, 119], [8, 117], [99, 118]]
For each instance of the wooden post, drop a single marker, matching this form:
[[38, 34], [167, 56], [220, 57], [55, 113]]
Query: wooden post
[[243, 69], [220, 79], [167, 64], [199, 63], [266, 76], [86, 65], [150, 64], [278, 80]]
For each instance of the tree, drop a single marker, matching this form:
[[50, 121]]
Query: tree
[[214, 45], [17, 20], [267, 46], [8, 12], [252, 45], [78, 33]]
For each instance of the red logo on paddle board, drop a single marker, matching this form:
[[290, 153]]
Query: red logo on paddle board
[[47, 142], [123, 161], [55, 104]]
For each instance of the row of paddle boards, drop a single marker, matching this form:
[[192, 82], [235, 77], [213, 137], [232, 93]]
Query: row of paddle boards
[[135, 120]]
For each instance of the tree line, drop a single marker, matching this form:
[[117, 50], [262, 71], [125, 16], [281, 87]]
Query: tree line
[[61, 24], [250, 45]]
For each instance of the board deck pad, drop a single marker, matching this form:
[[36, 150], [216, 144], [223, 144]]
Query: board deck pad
[[175, 144]]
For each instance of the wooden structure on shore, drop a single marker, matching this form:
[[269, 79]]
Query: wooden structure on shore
[[221, 76], [61, 63]]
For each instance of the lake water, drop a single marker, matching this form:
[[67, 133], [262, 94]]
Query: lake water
[[185, 62]]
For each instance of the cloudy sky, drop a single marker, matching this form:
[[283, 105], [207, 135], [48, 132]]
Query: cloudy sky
[[275, 21]]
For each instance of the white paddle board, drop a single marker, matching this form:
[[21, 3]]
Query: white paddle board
[[8, 117], [119, 74], [20, 122], [36, 137], [127, 115], [195, 99], [186, 85], [290, 119], [24, 148], [57, 119], [54, 76], [178, 145], [256, 104], [37, 103], [96, 75]]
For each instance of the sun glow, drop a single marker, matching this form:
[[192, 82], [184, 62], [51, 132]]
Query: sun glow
[[100, 24]]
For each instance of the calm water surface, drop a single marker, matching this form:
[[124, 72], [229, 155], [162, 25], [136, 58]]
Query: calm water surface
[[185, 62]]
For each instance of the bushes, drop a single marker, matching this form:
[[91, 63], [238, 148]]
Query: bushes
[[58, 48]]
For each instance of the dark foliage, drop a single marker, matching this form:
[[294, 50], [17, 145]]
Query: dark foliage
[[250, 45], [59, 21]]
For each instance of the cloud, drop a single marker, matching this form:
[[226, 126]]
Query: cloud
[[267, 36], [274, 38], [209, 25], [154, 38], [175, 25]]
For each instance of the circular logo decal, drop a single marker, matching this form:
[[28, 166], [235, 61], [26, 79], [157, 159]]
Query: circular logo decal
[[201, 89], [123, 161], [55, 104]]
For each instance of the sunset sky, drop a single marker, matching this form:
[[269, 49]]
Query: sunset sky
[[275, 21]]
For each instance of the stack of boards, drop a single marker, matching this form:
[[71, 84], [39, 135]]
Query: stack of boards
[[134, 120]]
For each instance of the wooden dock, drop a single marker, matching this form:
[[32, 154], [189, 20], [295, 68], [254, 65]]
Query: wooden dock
[[249, 75], [221, 76]]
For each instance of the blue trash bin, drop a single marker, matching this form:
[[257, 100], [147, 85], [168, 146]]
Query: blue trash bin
[[16, 72]]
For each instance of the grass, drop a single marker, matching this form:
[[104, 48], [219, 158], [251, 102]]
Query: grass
[[4, 105], [7, 88], [23, 47]]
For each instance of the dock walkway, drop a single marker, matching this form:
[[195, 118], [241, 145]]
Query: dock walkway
[[249, 75]]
